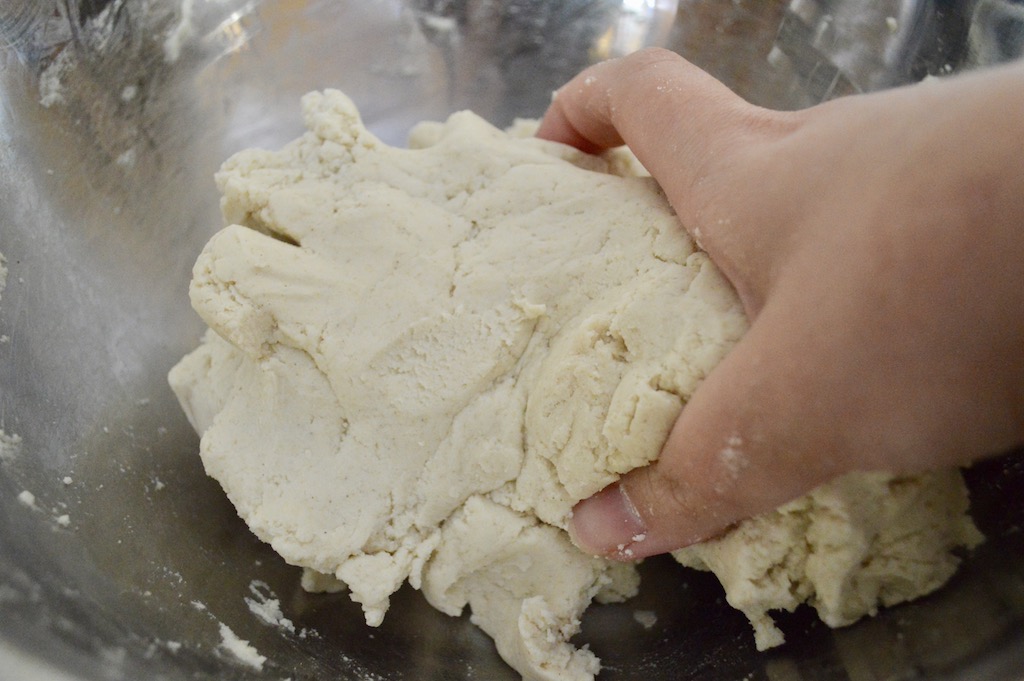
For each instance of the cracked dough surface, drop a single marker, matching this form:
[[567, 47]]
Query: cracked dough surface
[[420, 359]]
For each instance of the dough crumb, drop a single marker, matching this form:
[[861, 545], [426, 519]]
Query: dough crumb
[[645, 618]]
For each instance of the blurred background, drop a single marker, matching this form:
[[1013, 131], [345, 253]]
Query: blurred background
[[119, 559]]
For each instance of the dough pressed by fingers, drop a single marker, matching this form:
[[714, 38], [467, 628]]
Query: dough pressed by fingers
[[420, 359]]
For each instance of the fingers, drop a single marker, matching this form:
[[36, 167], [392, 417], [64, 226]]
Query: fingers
[[871, 347], [676, 118], [701, 142], [722, 461], [750, 439]]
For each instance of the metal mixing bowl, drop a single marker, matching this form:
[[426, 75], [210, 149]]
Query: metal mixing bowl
[[124, 559]]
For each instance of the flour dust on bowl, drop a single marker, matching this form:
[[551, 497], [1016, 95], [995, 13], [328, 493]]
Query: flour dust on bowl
[[121, 558]]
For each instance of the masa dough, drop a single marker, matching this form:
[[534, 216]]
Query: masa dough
[[420, 359]]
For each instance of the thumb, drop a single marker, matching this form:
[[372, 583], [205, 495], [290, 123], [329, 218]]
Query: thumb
[[749, 440]]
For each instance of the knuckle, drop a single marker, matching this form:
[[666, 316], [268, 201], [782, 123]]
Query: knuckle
[[651, 58]]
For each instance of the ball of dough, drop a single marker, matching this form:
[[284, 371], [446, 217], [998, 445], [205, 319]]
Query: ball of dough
[[420, 359]]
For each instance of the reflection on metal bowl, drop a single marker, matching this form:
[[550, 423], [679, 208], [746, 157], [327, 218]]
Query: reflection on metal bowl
[[125, 559]]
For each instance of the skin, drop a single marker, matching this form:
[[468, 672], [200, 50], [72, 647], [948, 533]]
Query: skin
[[877, 245]]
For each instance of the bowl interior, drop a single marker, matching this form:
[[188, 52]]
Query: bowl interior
[[119, 558]]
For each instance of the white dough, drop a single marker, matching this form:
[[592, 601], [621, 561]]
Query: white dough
[[420, 359], [865, 540]]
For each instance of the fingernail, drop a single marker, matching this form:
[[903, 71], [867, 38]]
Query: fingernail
[[607, 524]]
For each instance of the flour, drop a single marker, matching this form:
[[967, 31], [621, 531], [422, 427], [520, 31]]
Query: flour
[[241, 650], [27, 499], [265, 606], [9, 444], [51, 87], [420, 359], [30, 501], [180, 33], [10, 447], [3, 274], [94, 34]]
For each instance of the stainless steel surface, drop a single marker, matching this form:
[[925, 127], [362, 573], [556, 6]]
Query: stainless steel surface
[[113, 117]]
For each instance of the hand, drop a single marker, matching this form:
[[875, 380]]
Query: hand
[[877, 245]]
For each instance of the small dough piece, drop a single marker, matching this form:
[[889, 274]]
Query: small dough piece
[[420, 359]]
